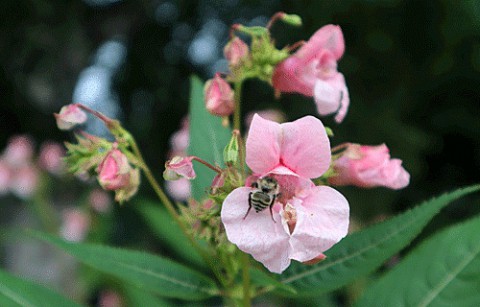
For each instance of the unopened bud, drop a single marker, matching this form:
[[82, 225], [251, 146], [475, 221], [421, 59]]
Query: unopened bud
[[179, 167], [219, 97], [235, 51], [292, 19], [69, 116], [114, 171], [231, 151]]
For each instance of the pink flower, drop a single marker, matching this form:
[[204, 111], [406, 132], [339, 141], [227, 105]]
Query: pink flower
[[100, 201], [179, 167], [24, 181], [219, 96], [75, 225], [5, 177], [50, 158], [114, 171], [235, 51], [69, 116], [312, 71], [308, 219], [19, 151], [369, 166], [179, 190]]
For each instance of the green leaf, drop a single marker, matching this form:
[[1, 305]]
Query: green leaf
[[260, 278], [362, 252], [443, 271], [168, 231], [139, 297], [150, 272], [15, 291], [207, 138]]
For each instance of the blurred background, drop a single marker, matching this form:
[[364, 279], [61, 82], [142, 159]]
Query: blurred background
[[412, 69]]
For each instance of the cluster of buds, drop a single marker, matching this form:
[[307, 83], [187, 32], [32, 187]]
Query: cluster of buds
[[113, 163]]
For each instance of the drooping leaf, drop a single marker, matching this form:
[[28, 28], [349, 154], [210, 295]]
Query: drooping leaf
[[207, 138], [15, 291], [443, 271], [169, 232], [150, 272], [362, 252]]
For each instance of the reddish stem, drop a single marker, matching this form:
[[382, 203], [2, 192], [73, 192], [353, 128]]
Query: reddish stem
[[214, 168], [296, 45], [108, 121], [277, 16]]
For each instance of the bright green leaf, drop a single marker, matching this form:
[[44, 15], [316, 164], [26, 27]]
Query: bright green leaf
[[168, 231], [149, 272], [15, 291], [362, 252], [443, 271], [207, 138]]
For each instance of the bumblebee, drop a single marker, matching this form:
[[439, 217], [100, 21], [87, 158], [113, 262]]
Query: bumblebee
[[265, 192]]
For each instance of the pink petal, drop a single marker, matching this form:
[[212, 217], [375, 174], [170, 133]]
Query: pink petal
[[331, 96], [305, 147], [322, 221], [328, 37], [257, 234], [263, 145], [290, 76]]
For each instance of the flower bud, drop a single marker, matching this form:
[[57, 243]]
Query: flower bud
[[219, 97], [25, 181], [131, 188], [291, 19], [5, 177], [179, 167], [369, 166], [100, 201], [235, 51], [231, 151], [114, 171], [69, 116]]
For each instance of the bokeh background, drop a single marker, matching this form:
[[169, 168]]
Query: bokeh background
[[412, 69]]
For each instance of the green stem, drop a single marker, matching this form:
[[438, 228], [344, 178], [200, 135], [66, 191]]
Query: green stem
[[246, 280], [43, 209], [171, 209], [237, 98]]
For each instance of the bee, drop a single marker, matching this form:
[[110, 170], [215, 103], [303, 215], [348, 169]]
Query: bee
[[264, 195]]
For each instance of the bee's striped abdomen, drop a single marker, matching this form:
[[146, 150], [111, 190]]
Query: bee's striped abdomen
[[260, 201]]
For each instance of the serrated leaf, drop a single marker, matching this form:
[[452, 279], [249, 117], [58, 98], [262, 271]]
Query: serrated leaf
[[150, 272], [169, 232], [443, 271], [207, 138], [362, 252], [15, 291]]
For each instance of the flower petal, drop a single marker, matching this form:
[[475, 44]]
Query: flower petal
[[257, 234], [328, 37], [331, 96], [322, 221], [305, 147], [263, 145]]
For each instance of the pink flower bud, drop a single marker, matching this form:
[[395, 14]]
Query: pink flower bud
[[24, 181], [235, 51], [110, 298], [50, 158], [369, 166], [19, 151], [5, 177], [69, 116], [219, 97], [179, 167], [75, 225], [114, 171]]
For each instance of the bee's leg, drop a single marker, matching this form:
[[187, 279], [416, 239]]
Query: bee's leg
[[271, 206], [254, 185], [249, 204]]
